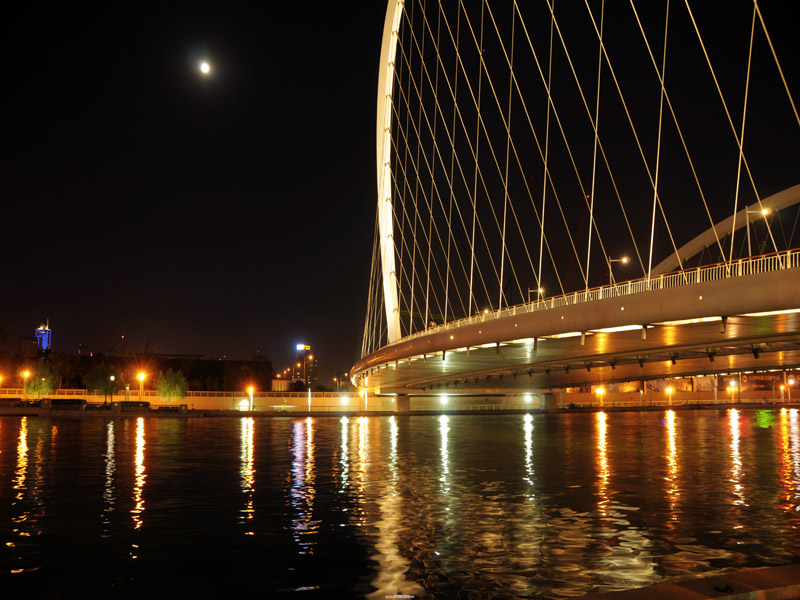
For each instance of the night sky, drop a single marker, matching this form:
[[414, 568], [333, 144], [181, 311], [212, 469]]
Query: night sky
[[218, 216], [223, 215]]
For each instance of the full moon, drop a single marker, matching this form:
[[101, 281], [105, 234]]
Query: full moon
[[205, 68]]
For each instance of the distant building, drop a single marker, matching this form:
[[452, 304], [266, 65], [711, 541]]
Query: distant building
[[281, 385], [305, 366]]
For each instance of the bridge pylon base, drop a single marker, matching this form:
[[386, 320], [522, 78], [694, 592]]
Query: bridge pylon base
[[402, 403]]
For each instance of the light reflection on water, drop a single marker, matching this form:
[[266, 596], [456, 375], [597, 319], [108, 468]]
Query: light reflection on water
[[303, 492], [673, 485], [248, 471], [736, 458], [111, 465], [141, 476], [516, 506], [602, 463]]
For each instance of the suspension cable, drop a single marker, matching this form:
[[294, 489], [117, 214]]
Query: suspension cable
[[741, 147], [546, 174], [595, 126], [730, 120], [777, 64], [680, 132], [658, 150]]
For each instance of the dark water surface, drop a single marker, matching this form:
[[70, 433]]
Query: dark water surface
[[547, 506]]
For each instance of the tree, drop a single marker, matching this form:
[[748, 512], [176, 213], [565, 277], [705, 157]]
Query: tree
[[43, 381], [171, 385], [104, 379]]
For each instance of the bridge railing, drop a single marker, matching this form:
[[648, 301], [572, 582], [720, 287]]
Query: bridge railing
[[778, 261]]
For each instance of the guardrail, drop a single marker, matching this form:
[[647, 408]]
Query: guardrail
[[779, 261]]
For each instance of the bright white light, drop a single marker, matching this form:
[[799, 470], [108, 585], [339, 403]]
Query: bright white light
[[244, 404], [345, 400], [205, 68], [528, 398], [443, 398]]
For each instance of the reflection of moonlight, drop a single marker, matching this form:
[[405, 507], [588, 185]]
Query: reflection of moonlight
[[205, 68]]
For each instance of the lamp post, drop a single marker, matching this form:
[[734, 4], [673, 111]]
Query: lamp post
[[669, 391], [731, 389], [539, 291], [624, 260], [600, 393], [141, 376], [25, 375], [250, 391], [763, 212]]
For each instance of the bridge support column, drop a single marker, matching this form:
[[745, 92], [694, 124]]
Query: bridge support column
[[402, 403], [550, 401]]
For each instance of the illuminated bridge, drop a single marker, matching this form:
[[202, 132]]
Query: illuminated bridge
[[582, 193]]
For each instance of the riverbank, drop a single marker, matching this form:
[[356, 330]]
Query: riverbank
[[102, 411]]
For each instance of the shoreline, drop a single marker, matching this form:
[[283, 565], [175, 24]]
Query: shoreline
[[92, 413]]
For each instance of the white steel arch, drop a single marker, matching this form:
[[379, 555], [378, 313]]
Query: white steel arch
[[394, 12]]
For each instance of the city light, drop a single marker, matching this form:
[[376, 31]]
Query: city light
[[141, 376], [205, 68], [600, 393]]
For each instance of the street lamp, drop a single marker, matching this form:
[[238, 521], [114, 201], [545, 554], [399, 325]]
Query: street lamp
[[250, 391], [539, 291], [731, 389], [624, 260], [669, 391], [141, 377], [763, 212], [600, 392], [25, 375]]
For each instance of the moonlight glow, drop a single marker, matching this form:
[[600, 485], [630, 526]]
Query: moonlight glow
[[205, 68]]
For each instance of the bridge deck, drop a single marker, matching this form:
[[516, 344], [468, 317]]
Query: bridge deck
[[685, 335]]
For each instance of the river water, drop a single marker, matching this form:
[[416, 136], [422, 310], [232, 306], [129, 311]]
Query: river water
[[511, 506]]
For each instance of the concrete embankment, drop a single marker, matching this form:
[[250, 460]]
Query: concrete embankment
[[91, 411]]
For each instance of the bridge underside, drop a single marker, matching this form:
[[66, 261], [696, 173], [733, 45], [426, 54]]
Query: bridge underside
[[747, 324]]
